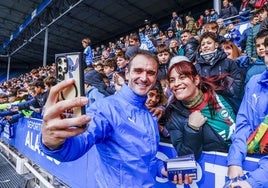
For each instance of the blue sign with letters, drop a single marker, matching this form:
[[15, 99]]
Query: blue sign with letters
[[212, 167]]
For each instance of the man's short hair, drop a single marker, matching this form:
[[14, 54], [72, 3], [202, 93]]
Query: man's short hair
[[185, 31]]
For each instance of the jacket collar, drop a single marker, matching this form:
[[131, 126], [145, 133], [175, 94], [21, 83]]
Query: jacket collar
[[128, 94], [264, 78]]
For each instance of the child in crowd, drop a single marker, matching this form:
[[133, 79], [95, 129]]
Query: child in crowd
[[163, 56], [109, 68], [87, 52], [258, 65], [212, 61], [119, 79], [121, 61], [156, 98]]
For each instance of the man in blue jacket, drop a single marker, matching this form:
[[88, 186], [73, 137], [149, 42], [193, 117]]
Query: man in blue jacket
[[120, 126], [252, 112]]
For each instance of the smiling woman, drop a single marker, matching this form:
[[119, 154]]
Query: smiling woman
[[198, 118]]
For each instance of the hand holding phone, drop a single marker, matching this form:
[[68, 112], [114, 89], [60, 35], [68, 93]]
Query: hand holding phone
[[69, 65]]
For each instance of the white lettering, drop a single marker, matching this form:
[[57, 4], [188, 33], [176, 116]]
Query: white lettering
[[32, 142]]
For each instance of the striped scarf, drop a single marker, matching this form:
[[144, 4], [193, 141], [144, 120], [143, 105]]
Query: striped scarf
[[258, 141]]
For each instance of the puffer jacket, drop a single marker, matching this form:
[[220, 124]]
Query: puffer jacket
[[162, 71], [186, 140], [220, 65], [126, 137], [190, 49]]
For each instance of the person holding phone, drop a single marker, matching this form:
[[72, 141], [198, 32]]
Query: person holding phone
[[120, 126]]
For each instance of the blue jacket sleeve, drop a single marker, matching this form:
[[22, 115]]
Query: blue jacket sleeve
[[75, 147], [246, 122], [259, 177]]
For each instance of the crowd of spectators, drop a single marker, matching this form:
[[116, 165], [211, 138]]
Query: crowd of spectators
[[211, 43], [184, 36]]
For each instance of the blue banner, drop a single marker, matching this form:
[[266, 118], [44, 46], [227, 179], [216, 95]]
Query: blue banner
[[212, 167]]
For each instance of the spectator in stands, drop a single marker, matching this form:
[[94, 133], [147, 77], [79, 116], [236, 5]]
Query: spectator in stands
[[119, 79], [194, 118], [39, 99], [214, 28], [155, 31], [88, 57], [121, 62], [244, 10], [3, 98], [163, 56], [106, 55], [207, 16], [227, 10], [264, 24], [233, 34], [250, 46], [258, 64], [94, 86], [99, 67], [175, 20], [212, 61], [244, 62], [174, 47], [190, 25], [144, 43], [189, 45], [222, 30], [170, 36], [109, 68], [105, 119], [157, 99], [251, 114], [214, 16], [148, 32], [35, 74], [200, 22], [243, 40]]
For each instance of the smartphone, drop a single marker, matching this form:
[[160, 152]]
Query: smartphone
[[69, 65]]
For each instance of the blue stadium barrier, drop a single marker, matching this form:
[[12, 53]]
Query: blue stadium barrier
[[212, 167]]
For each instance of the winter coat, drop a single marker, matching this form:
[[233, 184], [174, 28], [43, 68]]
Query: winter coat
[[186, 140], [250, 46], [220, 65], [190, 49]]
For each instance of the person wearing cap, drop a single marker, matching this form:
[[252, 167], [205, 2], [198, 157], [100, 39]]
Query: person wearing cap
[[198, 118], [120, 126]]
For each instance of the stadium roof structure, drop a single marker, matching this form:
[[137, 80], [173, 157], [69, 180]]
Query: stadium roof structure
[[25, 23]]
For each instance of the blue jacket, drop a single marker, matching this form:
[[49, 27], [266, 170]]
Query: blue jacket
[[257, 68], [93, 94], [88, 56], [252, 112], [126, 137]]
